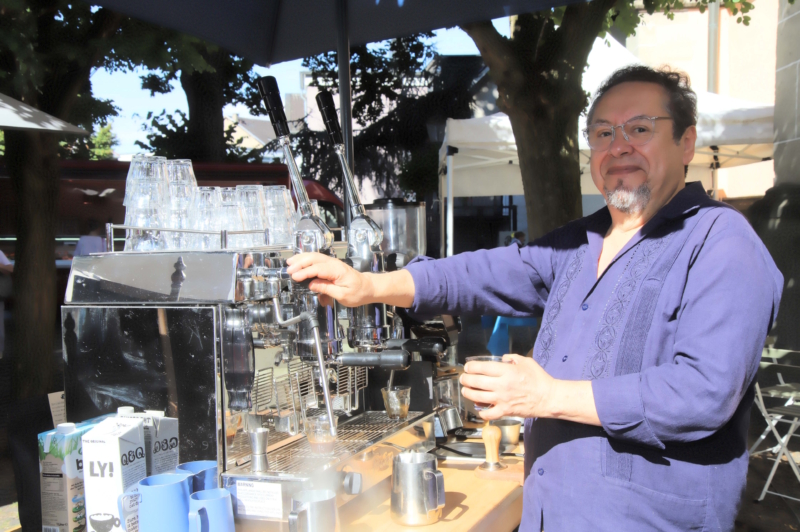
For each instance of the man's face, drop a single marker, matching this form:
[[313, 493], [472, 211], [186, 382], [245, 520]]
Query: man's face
[[638, 178]]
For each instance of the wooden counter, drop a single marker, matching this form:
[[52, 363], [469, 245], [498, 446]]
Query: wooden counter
[[471, 503]]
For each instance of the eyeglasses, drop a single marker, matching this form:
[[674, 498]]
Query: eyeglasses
[[637, 131]]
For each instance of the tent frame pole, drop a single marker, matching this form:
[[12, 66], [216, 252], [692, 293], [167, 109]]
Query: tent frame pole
[[451, 151], [345, 96]]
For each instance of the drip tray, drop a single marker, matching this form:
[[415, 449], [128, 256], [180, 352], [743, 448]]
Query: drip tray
[[471, 450]]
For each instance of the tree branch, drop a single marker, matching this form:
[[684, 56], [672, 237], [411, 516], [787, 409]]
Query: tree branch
[[579, 28], [108, 22], [495, 50]]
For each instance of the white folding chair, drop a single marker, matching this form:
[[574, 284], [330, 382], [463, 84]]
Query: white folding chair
[[788, 391], [789, 413]]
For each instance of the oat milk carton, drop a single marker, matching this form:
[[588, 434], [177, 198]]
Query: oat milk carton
[[160, 438], [61, 478], [114, 461]]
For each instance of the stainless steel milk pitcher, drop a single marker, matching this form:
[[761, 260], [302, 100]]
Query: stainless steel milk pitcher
[[314, 511], [417, 489]]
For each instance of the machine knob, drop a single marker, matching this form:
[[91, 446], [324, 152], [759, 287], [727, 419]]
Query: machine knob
[[352, 483]]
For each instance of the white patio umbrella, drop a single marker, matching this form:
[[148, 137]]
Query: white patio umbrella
[[17, 115]]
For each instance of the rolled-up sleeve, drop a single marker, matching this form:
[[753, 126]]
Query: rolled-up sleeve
[[730, 298], [508, 281]]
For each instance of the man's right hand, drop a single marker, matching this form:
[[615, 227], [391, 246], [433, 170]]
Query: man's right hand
[[333, 279]]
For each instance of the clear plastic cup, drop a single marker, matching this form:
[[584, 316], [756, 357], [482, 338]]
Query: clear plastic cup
[[397, 400], [318, 432], [484, 358]]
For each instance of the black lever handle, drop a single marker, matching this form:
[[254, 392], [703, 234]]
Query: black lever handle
[[268, 87], [387, 359], [329, 116]]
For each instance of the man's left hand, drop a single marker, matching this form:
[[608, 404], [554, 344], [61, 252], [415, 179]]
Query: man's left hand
[[516, 389]]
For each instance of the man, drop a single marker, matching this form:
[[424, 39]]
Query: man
[[638, 394], [518, 238]]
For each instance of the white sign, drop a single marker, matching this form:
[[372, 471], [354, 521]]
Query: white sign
[[259, 499]]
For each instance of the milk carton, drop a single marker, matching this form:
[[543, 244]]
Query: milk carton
[[160, 437], [114, 461], [61, 478]]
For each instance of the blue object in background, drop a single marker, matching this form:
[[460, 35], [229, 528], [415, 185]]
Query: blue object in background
[[498, 343]]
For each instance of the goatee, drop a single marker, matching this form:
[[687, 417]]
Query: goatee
[[629, 201]]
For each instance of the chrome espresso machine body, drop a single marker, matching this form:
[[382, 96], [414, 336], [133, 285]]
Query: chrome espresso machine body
[[226, 342]]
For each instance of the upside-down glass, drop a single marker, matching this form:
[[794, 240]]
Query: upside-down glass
[[145, 209], [253, 205], [180, 198], [204, 215], [484, 358], [280, 215], [180, 171], [231, 218], [637, 131], [144, 168]]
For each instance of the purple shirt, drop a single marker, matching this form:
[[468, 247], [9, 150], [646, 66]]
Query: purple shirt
[[670, 336]]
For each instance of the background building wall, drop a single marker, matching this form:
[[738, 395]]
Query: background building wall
[[787, 95], [747, 60]]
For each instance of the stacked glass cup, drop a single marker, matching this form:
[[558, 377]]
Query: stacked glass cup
[[182, 185], [146, 196], [162, 195], [280, 215]]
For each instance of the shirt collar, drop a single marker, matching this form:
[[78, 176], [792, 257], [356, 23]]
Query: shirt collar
[[687, 200]]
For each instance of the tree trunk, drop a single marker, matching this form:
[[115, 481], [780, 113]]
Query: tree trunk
[[538, 75], [547, 146], [32, 161], [205, 129]]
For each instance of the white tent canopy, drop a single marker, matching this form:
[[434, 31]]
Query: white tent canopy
[[732, 132], [16, 115]]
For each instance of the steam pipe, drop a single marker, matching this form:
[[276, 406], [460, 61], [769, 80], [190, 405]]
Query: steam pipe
[[323, 377]]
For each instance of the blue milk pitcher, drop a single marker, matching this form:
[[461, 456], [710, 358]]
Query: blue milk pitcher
[[204, 473], [211, 511], [161, 504]]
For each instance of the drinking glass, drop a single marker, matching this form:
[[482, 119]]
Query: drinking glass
[[144, 168], [180, 198], [484, 358], [280, 215], [180, 171], [204, 215], [145, 209], [231, 218], [318, 432], [397, 400], [253, 205]]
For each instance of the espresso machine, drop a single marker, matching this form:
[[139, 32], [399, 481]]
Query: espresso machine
[[242, 355]]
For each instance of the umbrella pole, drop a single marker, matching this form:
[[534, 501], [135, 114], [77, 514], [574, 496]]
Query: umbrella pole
[[345, 103]]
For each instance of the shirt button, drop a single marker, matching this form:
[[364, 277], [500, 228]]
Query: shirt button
[[585, 306], [541, 472], [565, 358]]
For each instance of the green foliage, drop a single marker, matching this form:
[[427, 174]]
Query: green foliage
[[419, 173], [168, 136], [380, 73], [103, 142]]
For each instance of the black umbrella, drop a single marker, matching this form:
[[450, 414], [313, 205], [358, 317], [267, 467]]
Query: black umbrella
[[272, 31]]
